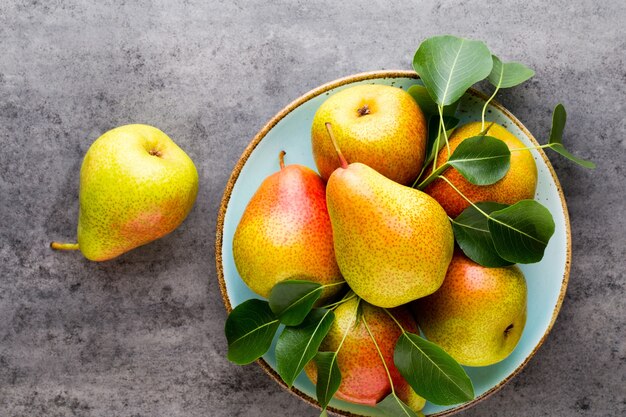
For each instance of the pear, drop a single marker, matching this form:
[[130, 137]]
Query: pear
[[285, 233], [393, 243], [136, 185], [364, 378], [478, 314], [378, 125], [519, 183]]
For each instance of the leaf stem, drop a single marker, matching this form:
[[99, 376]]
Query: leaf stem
[[547, 145], [433, 176], [463, 195], [382, 358], [333, 284], [437, 143], [482, 126], [394, 319], [356, 308], [445, 133], [338, 303]]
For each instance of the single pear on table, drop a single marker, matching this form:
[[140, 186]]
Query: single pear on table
[[378, 125], [478, 314], [364, 379], [518, 184], [285, 233], [136, 185], [393, 243]]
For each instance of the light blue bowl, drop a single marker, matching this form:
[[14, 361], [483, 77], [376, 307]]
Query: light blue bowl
[[290, 129]]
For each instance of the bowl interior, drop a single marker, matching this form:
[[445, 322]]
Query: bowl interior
[[546, 280]]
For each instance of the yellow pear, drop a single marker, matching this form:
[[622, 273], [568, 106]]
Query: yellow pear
[[378, 125], [519, 183], [136, 185], [393, 243], [478, 314], [285, 233]]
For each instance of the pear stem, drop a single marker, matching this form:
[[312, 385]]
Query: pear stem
[[344, 163], [281, 159], [64, 246]]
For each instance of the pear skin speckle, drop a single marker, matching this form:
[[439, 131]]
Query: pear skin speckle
[[378, 125], [393, 243], [518, 184], [136, 185], [285, 233], [364, 379], [478, 314]]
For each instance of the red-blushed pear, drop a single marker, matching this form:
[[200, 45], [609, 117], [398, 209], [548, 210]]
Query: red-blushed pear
[[478, 314], [519, 183], [285, 232], [377, 125], [393, 243], [364, 379], [136, 185]]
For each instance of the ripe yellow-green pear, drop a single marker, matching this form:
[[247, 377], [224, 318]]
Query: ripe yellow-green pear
[[519, 183], [285, 233], [364, 379], [136, 185], [478, 314], [393, 243], [377, 125]]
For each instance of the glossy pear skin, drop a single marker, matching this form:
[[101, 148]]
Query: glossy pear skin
[[364, 379], [393, 243], [136, 185], [518, 184], [478, 314], [285, 233], [390, 137]]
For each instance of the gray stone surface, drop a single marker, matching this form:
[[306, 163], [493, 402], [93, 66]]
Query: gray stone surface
[[143, 335]]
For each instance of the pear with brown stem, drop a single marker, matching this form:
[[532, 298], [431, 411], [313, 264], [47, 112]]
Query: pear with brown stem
[[393, 243], [285, 232]]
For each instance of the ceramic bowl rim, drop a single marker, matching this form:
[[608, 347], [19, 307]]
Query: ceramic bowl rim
[[364, 76]]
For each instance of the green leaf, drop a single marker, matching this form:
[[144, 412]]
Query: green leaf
[[510, 74], [448, 66], [474, 238], [426, 103], [393, 406], [431, 372], [292, 300], [522, 231], [482, 160], [249, 329], [423, 99], [298, 345], [328, 377], [559, 116]]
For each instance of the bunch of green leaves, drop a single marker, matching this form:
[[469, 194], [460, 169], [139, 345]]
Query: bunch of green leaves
[[491, 234], [252, 326]]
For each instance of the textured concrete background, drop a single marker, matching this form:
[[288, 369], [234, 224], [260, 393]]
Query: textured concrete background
[[143, 335]]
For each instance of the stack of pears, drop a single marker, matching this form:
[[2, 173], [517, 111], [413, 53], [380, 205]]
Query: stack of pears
[[392, 244]]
